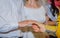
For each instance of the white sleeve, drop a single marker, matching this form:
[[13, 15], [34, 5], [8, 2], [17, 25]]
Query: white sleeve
[[8, 16], [5, 27], [50, 14]]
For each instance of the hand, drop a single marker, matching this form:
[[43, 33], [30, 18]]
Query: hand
[[26, 22], [38, 27]]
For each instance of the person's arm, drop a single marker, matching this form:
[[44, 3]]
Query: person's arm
[[50, 22], [9, 26], [50, 16], [6, 26]]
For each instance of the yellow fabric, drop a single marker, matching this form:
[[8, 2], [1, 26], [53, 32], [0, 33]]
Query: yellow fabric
[[58, 27], [51, 28]]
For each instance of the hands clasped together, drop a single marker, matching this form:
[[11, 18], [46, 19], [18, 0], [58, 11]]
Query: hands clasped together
[[37, 26]]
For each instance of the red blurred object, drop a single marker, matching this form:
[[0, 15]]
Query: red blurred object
[[57, 3], [49, 1]]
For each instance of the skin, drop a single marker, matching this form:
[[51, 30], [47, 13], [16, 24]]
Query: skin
[[38, 27], [35, 28], [48, 22], [34, 4], [31, 4], [26, 22], [52, 22]]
